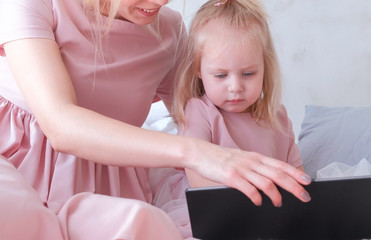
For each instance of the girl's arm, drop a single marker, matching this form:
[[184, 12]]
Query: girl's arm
[[45, 83]]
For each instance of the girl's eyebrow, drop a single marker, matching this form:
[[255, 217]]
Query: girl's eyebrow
[[217, 68]]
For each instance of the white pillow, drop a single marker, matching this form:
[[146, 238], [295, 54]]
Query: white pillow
[[334, 134]]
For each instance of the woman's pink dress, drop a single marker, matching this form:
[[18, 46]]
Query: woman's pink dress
[[53, 195]]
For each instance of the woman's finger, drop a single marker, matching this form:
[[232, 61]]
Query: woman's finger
[[286, 176], [249, 181], [298, 175], [248, 189], [266, 185]]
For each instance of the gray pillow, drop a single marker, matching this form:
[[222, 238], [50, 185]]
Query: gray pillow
[[334, 134]]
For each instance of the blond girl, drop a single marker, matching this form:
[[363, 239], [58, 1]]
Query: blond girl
[[228, 88]]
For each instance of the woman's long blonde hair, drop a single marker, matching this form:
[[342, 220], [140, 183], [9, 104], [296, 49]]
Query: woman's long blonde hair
[[243, 15]]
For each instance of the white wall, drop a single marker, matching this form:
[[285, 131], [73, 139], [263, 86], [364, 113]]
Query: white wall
[[324, 48]]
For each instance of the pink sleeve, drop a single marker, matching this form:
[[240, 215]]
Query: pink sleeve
[[197, 123], [293, 155], [25, 19], [165, 89]]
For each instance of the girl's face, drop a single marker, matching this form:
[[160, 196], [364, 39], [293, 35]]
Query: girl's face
[[232, 73], [141, 12]]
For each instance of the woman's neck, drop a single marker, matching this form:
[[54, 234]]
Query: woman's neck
[[104, 9]]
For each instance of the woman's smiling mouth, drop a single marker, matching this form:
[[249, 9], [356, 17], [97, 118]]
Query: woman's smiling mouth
[[149, 12]]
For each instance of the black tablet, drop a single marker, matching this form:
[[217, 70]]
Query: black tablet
[[339, 209]]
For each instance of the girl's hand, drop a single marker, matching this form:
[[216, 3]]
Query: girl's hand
[[248, 172]]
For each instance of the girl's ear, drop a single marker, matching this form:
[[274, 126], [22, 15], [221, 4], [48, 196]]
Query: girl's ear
[[198, 73]]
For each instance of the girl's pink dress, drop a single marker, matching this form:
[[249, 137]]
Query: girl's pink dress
[[236, 130], [239, 130], [51, 195]]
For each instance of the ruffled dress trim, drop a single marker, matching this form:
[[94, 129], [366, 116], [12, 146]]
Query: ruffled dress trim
[[58, 176]]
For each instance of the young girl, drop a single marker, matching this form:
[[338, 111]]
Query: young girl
[[229, 87], [77, 81], [228, 93]]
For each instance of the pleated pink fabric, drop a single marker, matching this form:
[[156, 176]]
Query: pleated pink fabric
[[57, 176]]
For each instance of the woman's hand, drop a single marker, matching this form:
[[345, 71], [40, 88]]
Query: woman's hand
[[248, 172]]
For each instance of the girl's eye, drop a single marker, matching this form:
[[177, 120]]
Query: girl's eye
[[220, 75], [247, 74]]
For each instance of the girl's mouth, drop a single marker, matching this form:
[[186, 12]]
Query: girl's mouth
[[235, 100]]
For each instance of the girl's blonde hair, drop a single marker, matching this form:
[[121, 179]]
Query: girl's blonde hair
[[249, 17]]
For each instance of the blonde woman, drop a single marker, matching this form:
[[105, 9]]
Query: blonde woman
[[77, 80]]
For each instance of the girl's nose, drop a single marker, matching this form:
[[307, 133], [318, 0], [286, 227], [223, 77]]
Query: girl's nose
[[235, 85]]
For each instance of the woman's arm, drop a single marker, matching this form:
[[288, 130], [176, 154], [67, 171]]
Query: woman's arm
[[45, 83], [196, 180]]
